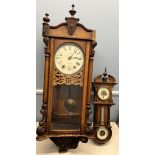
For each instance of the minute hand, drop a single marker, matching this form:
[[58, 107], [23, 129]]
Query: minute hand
[[77, 58]]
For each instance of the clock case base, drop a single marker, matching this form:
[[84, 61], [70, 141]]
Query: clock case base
[[65, 143], [70, 142]]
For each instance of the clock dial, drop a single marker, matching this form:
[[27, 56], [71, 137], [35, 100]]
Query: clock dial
[[102, 133], [69, 58], [103, 94]]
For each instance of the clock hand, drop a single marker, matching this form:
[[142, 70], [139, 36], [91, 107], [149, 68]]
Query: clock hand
[[75, 58], [70, 57]]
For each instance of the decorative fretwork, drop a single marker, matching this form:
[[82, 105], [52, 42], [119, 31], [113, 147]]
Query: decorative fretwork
[[59, 78]]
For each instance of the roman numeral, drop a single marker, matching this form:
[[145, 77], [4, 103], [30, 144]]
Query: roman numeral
[[63, 66], [78, 63]]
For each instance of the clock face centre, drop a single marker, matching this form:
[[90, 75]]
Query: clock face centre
[[102, 133]]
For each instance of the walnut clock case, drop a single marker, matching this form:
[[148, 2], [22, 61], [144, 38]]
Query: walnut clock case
[[103, 85], [67, 82]]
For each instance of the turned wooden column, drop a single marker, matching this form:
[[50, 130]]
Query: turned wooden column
[[42, 128], [89, 88]]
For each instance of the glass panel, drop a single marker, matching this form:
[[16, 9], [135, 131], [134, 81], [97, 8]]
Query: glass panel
[[102, 115], [66, 107]]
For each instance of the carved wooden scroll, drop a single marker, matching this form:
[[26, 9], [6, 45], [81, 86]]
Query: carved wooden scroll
[[59, 78]]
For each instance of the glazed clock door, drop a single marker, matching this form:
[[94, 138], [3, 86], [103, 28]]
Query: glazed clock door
[[67, 88]]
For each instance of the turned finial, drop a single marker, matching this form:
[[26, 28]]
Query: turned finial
[[104, 78], [72, 11], [46, 19]]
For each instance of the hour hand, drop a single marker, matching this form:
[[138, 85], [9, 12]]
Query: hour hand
[[70, 57]]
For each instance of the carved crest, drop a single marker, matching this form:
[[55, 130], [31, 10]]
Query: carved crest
[[71, 24]]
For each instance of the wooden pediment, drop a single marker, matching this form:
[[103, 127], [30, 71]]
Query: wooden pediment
[[70, 29], [78, 31], [105, 78]]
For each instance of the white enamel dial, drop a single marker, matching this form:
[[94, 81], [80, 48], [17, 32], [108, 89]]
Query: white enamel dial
[[103, 94], [102, 133], [69, 58]]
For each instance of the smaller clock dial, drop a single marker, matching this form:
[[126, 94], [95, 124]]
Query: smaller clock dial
[[69, 58], [102, 133], [103, 94]]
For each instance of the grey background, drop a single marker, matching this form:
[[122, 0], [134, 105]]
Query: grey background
[[100, 15]]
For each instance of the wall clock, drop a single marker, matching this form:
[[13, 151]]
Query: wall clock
[[67, 82], [103, 85]]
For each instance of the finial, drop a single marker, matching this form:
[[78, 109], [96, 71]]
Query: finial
[[72, 12], [105, 75], [73, 6], [46, 19]]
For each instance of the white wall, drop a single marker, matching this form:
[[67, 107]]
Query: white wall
[[100, 15]]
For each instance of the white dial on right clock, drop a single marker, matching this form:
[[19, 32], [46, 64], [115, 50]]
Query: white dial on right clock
[[103, 94]]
